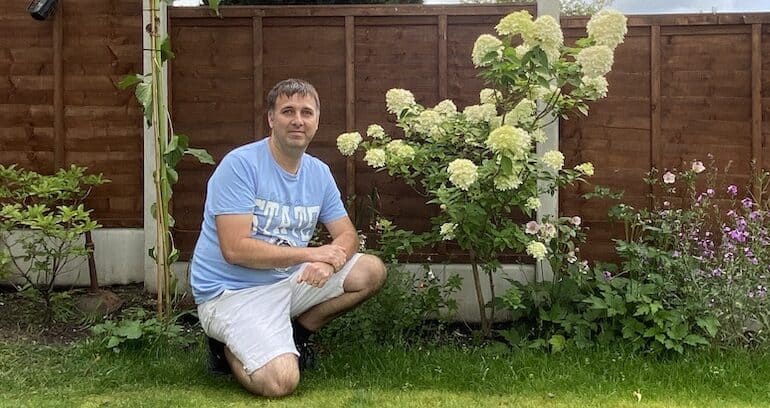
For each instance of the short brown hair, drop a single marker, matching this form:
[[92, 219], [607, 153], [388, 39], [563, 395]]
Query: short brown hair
[[290, 87]]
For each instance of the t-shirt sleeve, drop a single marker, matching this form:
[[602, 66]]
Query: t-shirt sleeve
[[231, 189], [332, 208]]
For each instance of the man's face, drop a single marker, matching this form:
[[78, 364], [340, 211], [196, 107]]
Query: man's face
[[294, 121]]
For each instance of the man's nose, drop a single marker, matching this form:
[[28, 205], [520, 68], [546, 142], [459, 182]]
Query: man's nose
[[296, 120]]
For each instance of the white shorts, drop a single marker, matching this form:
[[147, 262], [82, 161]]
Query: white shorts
[[255, 322]]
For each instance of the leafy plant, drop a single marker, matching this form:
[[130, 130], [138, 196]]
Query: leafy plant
[[42, 222], [399, 312], [138, 330], [169, 150], [478, 166]]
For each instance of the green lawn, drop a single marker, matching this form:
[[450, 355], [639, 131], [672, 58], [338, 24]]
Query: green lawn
[[36, 376]]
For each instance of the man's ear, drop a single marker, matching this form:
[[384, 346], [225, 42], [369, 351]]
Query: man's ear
[[270, 118]]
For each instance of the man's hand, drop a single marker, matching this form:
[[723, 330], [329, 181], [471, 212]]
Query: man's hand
[[331, 254], [316, 274]]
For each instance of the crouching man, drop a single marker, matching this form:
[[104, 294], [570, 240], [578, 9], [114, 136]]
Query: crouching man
[[261, 291]]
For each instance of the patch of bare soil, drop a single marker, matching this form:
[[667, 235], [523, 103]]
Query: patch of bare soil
[[23, 318]]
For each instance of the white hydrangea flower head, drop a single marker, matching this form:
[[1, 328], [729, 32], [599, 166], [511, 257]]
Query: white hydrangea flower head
[[537, 250], [521, 49], [490, 96], [462, 173], [533, 203], [397, 100], [375, 158], [539, 136], [375, 132], [547, 34], [496, 122], [523, 111], [554, 159], [447, 231], [595, 87], [608, 27], [512, 140], [446, 107], [485, 45], [405, 152], [429, 121], [347, 143], [595, 61], [505, 183], [515, 23], [480, 113], [585, 168]]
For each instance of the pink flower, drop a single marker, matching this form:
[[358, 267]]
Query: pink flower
[[732, 189], [669, 178], [532, 228], [698, 167]]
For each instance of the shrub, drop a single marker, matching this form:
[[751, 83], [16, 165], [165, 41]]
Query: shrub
[[42, 221]]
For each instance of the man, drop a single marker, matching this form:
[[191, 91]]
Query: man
[[261, 292]]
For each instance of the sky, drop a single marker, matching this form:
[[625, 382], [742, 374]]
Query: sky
[[646, 6]]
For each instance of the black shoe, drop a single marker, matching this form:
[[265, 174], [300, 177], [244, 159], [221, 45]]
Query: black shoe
[[307, 356], [217, 363]]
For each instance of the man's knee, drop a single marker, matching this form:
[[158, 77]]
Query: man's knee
[[279, 385], [376, 272], [278, 378]]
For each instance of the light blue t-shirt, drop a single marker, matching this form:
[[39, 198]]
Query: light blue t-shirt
[[285, 209]]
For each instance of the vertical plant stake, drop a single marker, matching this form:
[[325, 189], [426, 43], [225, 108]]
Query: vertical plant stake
[[169, 150], [479, 165]]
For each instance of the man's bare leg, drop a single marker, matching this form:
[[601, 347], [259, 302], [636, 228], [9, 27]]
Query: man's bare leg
[[278, 378], [363, 281]]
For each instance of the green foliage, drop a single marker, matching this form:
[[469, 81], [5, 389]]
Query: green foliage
[[137, 330], [169, 150], [398, 313], [42, 222]]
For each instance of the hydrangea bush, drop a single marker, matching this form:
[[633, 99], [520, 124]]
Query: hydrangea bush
[[479, 164]]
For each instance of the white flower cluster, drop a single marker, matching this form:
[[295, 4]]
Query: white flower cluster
[[480, 113], [347, 143], [595, 61], [595, 87], [505, 183], [429, 121], [585, 168], [400, 151], [515, 23], [607, 27], [375, 132], [508, 139], [375, 158], [446, 107], [397, 100], [537, 250], [521, 113], [547, 34], [554, 159], [484, 45], [489, 96], [533, 203], [447, 231], [462, 173]]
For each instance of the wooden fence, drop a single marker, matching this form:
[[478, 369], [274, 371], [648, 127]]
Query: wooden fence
[[682, 86], [58, 100]]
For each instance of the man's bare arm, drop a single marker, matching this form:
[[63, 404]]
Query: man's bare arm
[[239, 248]]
